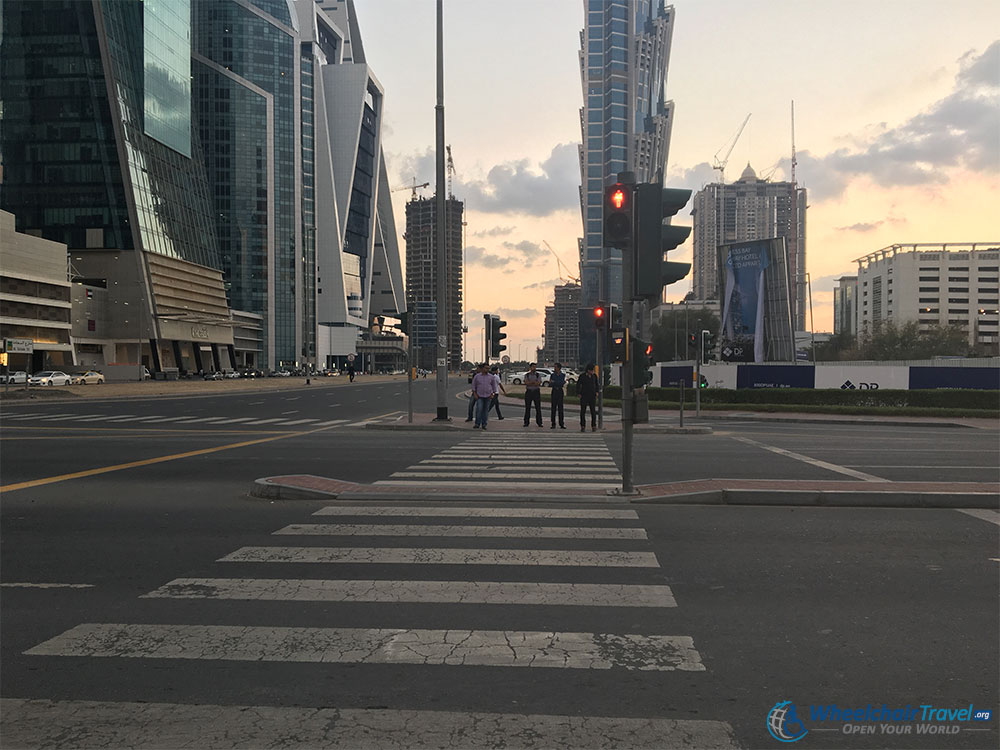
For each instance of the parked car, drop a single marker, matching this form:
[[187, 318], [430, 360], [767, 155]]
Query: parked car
[[214, 375], [50, 377], [231, 375], [516, 378], [89, 377], [15, 376]]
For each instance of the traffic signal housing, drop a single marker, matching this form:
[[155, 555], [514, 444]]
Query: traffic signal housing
[[619, 215], [707, 345], [404, 323], [496, 335], [619, 346], [600, 316], [655, 236], [642, 353]]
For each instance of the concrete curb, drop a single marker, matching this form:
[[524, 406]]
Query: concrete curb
[[271, 488], [461, 426], [859, 419], [827, 498]]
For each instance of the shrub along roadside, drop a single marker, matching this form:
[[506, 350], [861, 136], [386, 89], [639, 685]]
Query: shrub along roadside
[[861, 406]]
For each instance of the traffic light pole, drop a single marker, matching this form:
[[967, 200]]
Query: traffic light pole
[[697, 374], [627, 486], [442, 256], [409, 377], [600, 382]]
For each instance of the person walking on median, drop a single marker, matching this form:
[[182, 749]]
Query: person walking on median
[[558, 382], [472, 394], [586, 388], [495, 403], [532, 394], [484, 387]]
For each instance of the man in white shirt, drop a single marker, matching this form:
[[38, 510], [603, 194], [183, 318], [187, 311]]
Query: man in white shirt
[[483, 386], [495, 403]]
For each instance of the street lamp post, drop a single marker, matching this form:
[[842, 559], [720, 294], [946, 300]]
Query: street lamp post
[[442, 258]]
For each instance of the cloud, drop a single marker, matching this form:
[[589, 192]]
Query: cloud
[[494, 232], [479, 256], [960, 130], [695, 177], [528, 252], [516, 187], [524, 312], [861, 226], [544, 284]]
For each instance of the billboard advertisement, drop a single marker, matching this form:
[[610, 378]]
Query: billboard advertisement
[[754, 287]]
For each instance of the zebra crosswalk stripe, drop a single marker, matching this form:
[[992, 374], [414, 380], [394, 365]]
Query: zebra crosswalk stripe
[[444, 556], [484, 648], [424, 592], [509, 532], [449, 511], [46, 723]]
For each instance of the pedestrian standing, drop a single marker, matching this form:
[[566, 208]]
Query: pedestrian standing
[[532, 394], [495, 403], [472, 394], [484, 387], [587, 388], [558, 383]]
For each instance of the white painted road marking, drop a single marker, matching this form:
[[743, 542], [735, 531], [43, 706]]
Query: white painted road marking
[[48, 585], [104, 725], [298, 421], [496, 475], [444, 556], [556, 482], [811, 461], [415, 510], [423, 592], [525, 532], [993, 516], [483, 648]]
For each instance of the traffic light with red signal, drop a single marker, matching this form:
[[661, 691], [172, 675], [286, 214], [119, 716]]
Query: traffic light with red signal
[[619, 214], [600, 316]]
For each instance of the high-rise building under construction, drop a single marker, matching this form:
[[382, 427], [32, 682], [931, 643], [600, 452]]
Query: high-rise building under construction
[[421, 279]]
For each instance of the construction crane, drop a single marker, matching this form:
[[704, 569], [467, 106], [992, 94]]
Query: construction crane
[[794, 158], [721, 164], [562, 266], [451, 170], [412, 187]]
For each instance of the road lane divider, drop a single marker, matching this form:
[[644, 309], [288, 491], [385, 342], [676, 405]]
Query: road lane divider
[[151, 461], [810, 460]]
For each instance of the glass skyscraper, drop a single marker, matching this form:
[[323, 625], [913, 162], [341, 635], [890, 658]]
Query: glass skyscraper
[[625, 123]]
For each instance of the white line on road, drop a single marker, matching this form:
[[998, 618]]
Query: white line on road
[[992, 516], [38, 418], [48, 585], [297, 421], [266, 421], [196, 419], [106, 725], [240, 419], [425, 592], [62, 417], [918, 466], [444, 556], [483, 648], [130, 419], [448, 511], [812, 461], [477, 463], [164, 419], [104, 419], [330, 423], [514, 532], [286, 413]]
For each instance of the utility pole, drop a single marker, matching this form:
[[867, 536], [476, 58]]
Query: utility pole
[[442, 256]]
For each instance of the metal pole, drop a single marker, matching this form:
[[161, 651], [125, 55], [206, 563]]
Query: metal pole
[[697, 374], [600, 381], [682, 403], [812, 321], [409, 376], [442, 258]]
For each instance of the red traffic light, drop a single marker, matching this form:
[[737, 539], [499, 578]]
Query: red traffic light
[[599, 317], [649, 349], [618, 198], [599, 312]]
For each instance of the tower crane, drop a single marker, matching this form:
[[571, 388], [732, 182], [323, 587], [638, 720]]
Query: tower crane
[[413, 187], [721, 164], [451, 170], [562, 266]]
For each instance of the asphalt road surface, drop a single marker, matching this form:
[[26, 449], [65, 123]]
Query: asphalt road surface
[[147, 601]]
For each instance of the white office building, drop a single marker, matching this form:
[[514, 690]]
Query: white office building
[[934, 284]]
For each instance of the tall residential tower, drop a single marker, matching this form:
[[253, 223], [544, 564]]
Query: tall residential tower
[[625, 120]]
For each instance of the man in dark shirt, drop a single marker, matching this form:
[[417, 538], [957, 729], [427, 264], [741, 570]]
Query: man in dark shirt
[[532, 394], [587, 387], [558, 382]]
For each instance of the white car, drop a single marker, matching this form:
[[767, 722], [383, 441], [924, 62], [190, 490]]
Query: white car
[[50, 377], [91, 376], [16, 376], [516, 378]]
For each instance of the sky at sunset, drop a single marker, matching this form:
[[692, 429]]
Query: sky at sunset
[[897, 126]]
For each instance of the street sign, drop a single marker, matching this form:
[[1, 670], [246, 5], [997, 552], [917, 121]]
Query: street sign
[[505, 359], [19, 346], [442, 362], [350, 357], [442, 341]]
